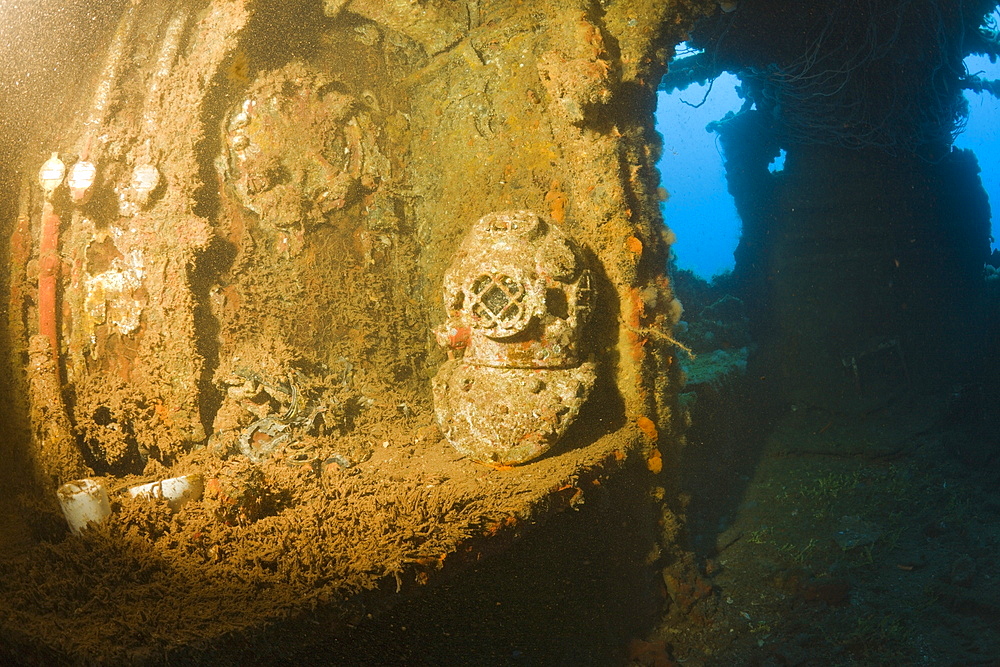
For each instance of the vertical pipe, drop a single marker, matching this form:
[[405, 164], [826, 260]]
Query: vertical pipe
[[20, 253], [48, 275], [165, 59], [112, 64]]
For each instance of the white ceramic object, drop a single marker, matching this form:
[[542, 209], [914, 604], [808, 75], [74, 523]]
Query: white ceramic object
[[83, 501], [145, 178], [176, 490], [51, 175], [136, 195], [81, 181]]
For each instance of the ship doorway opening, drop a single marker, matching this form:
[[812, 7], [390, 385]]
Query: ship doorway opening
[[982, 131], [698, 206]]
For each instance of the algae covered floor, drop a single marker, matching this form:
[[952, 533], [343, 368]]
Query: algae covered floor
[[813, 552]]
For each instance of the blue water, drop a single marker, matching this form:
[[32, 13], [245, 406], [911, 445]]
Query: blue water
[[700, 210], [982, 134]]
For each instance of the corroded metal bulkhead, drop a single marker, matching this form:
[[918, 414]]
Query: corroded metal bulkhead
[[517, 295]]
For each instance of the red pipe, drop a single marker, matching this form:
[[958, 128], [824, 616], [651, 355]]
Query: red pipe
[[48, 275]]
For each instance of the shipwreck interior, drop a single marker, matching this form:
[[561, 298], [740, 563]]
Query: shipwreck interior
[[345, 332]]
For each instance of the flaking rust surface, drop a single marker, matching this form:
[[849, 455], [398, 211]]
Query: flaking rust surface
[[516, 111]]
